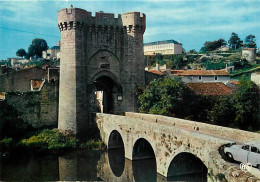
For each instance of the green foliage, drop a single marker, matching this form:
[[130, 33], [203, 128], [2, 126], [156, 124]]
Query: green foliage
[[20, 52], [192, 51], [93, 145], [167, 96], [37, 46], [246, 105], [250, 41], [6, 142], [211, 46], [50, 139], [222, 113], [234, 41]]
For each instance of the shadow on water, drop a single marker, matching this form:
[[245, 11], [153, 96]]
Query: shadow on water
[[116, 159], [144, 170], [89, 166]]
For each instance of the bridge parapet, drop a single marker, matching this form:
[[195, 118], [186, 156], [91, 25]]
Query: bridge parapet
[[220, 131]]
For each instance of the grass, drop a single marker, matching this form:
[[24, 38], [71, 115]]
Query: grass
[[51, 140]]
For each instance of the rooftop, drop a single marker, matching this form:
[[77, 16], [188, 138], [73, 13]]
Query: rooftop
[[162, 42], [199, 72], [212, 89], [55, 47], [155, 72]]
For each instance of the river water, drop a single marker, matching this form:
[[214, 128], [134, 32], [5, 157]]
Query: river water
[[86, 166]]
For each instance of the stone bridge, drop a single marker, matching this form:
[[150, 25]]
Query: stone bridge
[[174, 143]]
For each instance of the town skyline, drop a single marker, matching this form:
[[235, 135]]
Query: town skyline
[[190, 22]]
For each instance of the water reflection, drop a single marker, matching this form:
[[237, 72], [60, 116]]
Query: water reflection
[[144, 170], [84, 166], [117, 161]]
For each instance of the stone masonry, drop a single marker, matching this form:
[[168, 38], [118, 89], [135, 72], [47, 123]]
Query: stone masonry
[[169, 137], [94, 48]]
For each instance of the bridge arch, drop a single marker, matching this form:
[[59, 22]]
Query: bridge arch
[[186, 165], [144, 162], [116, 153], [142, 149], [115, 140]]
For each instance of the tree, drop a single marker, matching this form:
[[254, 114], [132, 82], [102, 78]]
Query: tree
[[245, 102], [20, 52], [192, 51], [211, 46], [167, 96], [37, 46], [234, 41], [250, 41], [222, 113]]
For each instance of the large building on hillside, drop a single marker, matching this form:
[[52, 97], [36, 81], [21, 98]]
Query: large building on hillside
[[191, 76], [166, 47]]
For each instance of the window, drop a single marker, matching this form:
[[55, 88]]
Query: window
[[254, 149], [200, 77], [245, 147]]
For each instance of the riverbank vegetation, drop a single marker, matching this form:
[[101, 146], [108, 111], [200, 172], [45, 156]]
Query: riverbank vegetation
[[171, 97], [47, 141]]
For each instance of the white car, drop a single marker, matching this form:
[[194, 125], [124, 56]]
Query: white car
[[247, 153]]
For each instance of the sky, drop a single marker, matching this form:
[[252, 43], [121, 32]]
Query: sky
[[192, 22]]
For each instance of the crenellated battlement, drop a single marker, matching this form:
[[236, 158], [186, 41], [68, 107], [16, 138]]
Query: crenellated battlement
[[76, 18], [100, 52]]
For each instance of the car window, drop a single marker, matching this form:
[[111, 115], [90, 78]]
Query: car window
[[245, 147], [254, 149]]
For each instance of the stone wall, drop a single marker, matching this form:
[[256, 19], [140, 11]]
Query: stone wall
[[38, 109], [14, 81]]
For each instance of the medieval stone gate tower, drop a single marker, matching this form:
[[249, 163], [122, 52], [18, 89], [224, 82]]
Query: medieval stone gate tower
[[100, 53]]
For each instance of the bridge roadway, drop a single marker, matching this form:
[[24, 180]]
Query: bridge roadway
[[172, 138]]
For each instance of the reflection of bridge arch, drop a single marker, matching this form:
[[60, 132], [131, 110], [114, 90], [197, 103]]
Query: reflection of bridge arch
[[185, 166]]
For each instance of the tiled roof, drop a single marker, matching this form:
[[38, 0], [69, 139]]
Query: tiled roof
[[234, 82], [155, 72], [200, 72], [213, 89], [161, 42]]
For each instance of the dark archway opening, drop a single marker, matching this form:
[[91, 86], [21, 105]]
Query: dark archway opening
[[187, 167], [116, 153], [142, 150], [144, 162], [106, 90]]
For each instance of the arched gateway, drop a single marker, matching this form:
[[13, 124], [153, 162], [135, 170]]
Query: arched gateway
[[101, 65]]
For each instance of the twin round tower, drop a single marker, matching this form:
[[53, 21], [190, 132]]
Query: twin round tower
[[101, 66]]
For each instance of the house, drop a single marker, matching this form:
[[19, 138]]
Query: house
[[210, 89], [53, 52], [191, 76], [249, 54], [166, 47]]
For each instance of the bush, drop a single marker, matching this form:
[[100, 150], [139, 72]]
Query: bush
[[93, 145], [50, 139]]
